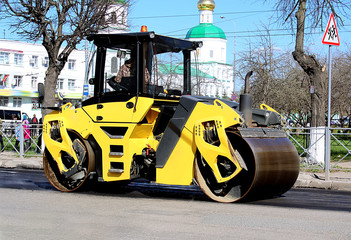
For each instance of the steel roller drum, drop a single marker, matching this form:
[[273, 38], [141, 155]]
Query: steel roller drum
[[77, 180], [272, 167]]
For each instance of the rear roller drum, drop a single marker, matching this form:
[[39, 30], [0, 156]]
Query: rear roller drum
[[80, 172], [271, 169]]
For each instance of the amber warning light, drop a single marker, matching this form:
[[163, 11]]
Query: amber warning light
[[143, 28]]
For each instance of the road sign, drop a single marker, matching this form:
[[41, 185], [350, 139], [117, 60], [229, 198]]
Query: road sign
[[233, 97], [331, 35], [85, 90]]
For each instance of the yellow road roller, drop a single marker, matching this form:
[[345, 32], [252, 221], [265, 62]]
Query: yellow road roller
[[135, 125]]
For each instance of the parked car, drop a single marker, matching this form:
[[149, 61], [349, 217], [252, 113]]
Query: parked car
[[8, 117]]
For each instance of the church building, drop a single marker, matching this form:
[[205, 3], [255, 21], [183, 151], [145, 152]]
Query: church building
[[211, 57]]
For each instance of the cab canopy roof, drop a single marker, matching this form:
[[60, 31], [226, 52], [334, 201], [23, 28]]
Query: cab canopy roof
[[162, 44]]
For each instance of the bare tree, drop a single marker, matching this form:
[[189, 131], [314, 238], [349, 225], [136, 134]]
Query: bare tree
[[341, 95], [268, 64], [316, 13], [200, 80], [168, 70], [60, 25], [291, 95], [276, 80]]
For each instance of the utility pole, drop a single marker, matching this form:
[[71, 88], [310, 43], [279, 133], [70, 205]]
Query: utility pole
[[234, 53], [85, 83]]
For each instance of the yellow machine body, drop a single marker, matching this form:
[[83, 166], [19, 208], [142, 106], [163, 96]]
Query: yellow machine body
[[139, 135], [136, 129]]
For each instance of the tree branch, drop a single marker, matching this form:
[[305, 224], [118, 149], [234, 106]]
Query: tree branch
[[292, 11]]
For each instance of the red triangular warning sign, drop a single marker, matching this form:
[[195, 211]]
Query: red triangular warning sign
[[331, 35]]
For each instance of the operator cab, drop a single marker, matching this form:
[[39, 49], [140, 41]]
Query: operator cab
[[128, 64]]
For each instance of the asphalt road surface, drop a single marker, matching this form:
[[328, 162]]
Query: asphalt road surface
[[32, 209]]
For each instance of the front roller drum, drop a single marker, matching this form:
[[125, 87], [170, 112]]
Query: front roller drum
[[272, 167], [79, 178]]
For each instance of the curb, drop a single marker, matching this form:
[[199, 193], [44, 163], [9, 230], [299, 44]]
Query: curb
[[306, 180], [26, 164]]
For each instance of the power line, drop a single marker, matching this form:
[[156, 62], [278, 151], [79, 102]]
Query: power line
[[192, 15], [266, 30], [256, 33], [238, 36], [261, 35]]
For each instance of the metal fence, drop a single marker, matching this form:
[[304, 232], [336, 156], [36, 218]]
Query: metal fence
[[15, 139], [24, 139], [306, 139]]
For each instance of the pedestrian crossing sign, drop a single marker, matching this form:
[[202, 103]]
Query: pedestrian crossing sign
[[331, 35]]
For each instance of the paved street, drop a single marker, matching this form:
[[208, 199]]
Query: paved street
[[339, 180], [31, 209]]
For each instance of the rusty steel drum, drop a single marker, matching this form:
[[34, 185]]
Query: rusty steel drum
[[272, 167]]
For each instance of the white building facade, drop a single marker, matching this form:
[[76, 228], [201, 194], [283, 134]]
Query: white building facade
[[117, 16], [23, 66]]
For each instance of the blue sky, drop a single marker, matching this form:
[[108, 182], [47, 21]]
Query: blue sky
[[174, 18]]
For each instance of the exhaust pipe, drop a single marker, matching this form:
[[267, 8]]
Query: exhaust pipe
[[246, 101]]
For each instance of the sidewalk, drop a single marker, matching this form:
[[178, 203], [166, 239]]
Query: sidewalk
[[339, 180], [12, 160]]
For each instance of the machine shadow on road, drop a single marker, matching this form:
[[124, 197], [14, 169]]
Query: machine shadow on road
[[308, 198], [316, 199], [302, 198]]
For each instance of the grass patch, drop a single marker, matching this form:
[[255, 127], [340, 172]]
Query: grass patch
[[337, 151]]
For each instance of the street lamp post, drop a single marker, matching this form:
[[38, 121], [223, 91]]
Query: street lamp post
[[234, 53]]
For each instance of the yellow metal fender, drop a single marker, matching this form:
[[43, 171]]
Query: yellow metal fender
[[67, 119], [268, 108], [55, 147], [211, 152]]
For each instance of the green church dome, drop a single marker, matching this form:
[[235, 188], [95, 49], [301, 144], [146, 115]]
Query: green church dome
[[205, 30]]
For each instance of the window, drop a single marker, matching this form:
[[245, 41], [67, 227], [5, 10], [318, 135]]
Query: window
[[71, 84], [4, 101], [113, 65], [59, 84], [17, 102], [211, 53], [4, 58], [3, 79], [46, 62], [113, 17], [35, 104], [34, 82], [71, 64], [34, 62], [12, 114], [18, 59], [122, 18], [17, 81]]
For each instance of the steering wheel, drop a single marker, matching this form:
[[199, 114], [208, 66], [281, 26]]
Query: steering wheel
[[116, 86]]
